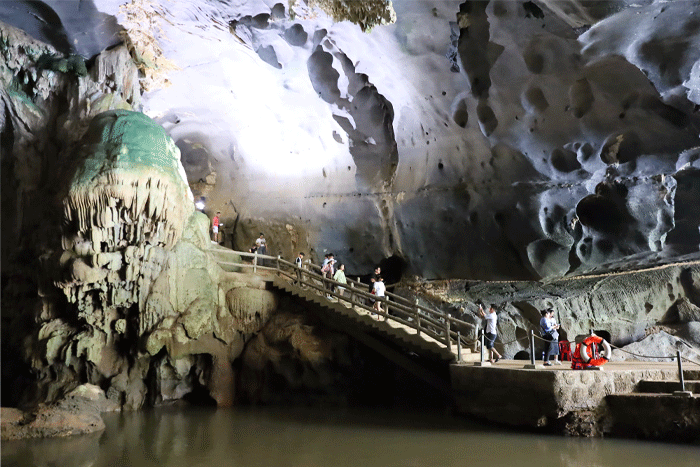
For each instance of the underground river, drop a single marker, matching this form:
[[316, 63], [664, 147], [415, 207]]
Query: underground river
[[312, 437]]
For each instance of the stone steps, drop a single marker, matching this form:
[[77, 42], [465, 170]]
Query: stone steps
[[654, 411], [666, 387]]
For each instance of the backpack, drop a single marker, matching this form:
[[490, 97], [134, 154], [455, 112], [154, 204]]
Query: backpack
[[327, 270]]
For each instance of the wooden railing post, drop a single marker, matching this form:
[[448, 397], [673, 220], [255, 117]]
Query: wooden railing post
[[255, 262], [415, 308], [278, 263], [352, 295], [459, 347], [447, 333]]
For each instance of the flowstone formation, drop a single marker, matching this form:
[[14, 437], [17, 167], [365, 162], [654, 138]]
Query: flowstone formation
[[126, 206], [142, 309]]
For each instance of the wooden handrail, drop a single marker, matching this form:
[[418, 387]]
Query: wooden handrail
[[424, 320]]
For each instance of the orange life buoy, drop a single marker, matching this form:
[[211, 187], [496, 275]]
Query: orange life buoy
[[586, 353]]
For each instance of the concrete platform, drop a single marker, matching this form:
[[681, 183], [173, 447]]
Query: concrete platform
[[554, 398]]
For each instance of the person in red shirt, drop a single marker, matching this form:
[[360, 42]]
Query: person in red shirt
[[215, 227]]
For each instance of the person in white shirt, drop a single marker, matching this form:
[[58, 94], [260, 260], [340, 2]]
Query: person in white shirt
[[261, 244], [490, 332], [379, 289]]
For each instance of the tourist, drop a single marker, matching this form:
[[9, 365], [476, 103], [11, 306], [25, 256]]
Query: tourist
[[548, 327], [299, 262], [490, 332], [326, 258], [373, 278], [261, 244], [328, 271], [339, 276], [215, 224], [379, 290]]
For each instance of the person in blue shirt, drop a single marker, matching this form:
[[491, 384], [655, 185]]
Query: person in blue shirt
[[549, 327]]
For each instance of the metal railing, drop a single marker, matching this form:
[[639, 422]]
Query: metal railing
[[436, 324], [354, 294]]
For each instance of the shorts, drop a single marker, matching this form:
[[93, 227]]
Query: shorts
[[489, 340], [215, 229]]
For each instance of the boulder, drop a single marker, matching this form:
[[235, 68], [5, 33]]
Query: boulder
[[76, 414]]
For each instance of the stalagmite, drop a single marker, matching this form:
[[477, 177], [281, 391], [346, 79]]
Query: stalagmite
[[117, 207]]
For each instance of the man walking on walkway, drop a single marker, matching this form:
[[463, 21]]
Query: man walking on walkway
[[490, 332]]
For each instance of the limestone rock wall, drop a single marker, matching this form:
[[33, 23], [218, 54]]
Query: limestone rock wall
[[541, 139], [300, 358], [526, 139], [47, 100], [628, 305]]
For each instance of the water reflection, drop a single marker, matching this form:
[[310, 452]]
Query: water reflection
[[325, 438]]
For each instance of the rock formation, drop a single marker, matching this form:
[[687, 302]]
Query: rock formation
[[145, 304], [77, 413], [625, 307], [462, 141], [126, 205]]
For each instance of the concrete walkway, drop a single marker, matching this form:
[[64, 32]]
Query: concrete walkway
[[608, 367]]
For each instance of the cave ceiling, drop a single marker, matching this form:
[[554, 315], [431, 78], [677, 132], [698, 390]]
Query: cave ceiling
[[481, 140]]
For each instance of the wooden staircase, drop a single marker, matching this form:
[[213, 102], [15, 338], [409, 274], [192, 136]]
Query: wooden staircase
[[416, 337], [401, 335]]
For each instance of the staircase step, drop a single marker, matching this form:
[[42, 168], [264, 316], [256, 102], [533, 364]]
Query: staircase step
[[667, 387]]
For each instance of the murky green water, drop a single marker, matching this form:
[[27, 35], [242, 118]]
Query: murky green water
[[325, 438]]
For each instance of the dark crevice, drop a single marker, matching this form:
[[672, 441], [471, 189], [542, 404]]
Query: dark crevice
[[473, 46]]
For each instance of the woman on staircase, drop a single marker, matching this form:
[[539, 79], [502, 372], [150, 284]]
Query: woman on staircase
[[339, 276]]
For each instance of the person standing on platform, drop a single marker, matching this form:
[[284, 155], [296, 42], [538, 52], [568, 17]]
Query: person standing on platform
[[261, 244], [215, 223], [549, 329], [491, 332]]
